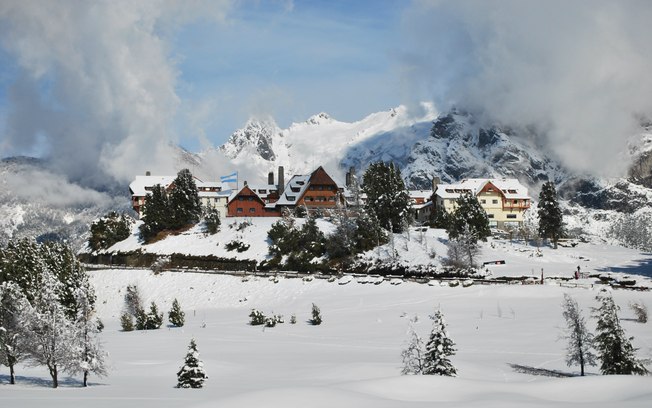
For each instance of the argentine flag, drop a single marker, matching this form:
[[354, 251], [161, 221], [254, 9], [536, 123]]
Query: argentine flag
[[231, 178]]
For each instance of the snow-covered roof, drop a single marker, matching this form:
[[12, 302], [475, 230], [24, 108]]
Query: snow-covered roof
[[425, 194], [293, 190], [511, 188], [263, 190], [143, 184]]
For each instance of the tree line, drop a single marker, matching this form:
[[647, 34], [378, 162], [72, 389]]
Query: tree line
[[47, 309]]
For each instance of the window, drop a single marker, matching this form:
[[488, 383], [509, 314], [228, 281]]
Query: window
[[490, 189], [483, 201], [512, 191], [250, 198], [291, 198], [490, 216], [252, 210], [515, 201], [262, 191], [511, 216], [239, 210], [494, 201]]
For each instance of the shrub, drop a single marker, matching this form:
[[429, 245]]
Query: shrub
[[109, 229], [316, 316], [237, 245], [273, 321], [293, 319], [127, 322], [149, 321], [640, 310], [211, 220], [256, 317]]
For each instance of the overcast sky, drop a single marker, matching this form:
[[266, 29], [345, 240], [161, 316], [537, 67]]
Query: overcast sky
[[116, 81]]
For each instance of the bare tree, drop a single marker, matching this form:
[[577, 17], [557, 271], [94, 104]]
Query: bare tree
[[579, 338], [413, 355]]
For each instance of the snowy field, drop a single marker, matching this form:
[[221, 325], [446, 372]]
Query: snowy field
[[352, 359]]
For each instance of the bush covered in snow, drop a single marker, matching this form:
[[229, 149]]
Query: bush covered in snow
[[109, 229], [176, 316], [316, 316]]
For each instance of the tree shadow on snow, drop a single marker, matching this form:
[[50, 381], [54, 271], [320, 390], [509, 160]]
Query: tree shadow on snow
[[539, 371], [641, 266], [45, 381]]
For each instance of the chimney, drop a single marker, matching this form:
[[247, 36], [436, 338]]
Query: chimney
[[349, 176], [281, 180], [270, 178], [435, 183], [245, 182], [148, 173]]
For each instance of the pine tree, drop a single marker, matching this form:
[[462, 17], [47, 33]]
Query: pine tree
[[109, 229], [468, 219], [550, 215], [87, 353], [127, 322], [615, 350], [387, 196], [316, 316], [184, 200], [438, 350], [12, 305], [311, 239], [176, 315], [580, 340], [156, 214], [211, 220], [369, 232], [413, 356], [192, 374]]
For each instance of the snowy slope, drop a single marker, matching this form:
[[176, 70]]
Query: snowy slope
[[507, 339], [323, 140]]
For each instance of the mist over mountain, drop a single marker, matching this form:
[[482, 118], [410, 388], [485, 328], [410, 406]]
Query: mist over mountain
[[38, 201]]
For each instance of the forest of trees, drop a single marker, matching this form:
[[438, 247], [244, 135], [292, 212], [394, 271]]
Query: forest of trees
[[47, 311]]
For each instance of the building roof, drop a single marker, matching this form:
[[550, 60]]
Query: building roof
[[320, 176], [510, 188], [142, 184], [425, 194], [294, 189]]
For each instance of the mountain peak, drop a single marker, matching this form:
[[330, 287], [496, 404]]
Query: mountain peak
[[320, 118]]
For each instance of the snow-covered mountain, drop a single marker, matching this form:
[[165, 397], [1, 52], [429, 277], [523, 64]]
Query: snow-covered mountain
[[39, 203], [35, 201], [261, 146]]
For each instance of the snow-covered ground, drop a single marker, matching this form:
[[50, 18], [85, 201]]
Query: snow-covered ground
[[417, 248], [353, 358]]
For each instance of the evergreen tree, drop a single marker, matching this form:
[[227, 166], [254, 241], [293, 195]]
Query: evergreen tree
[[87, 354], [413, 355], [156, 214], [192, 374], [468, 219], [316, 316], [12, 305], [60, 259], [132, 300], [438, 350], [211, 220], [438, 217], [21, 263], [176, 315], [151, 320], [580, 340], [109, 229], [127, 322], [615, 350], [369, 233], [184, 200], [550, 216], [311, 239], [387, 196]]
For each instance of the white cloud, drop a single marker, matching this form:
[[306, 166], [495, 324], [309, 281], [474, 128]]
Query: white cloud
[[578, 70], [98, 81]]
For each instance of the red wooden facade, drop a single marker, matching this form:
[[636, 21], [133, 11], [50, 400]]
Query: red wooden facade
[[248, 204]]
